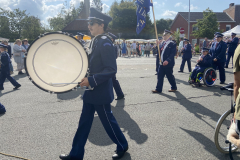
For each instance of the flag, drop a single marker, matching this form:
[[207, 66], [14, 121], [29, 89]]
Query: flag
[[143, 7]]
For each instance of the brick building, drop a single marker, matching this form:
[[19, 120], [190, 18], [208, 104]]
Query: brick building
[[227, 20]]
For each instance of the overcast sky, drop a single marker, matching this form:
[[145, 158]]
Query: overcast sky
[[45, 9]]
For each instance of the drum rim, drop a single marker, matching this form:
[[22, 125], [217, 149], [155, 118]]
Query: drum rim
[[25, 58]]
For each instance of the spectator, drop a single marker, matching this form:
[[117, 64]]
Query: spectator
[[133, 46], [142, 49], [119, 49], [25, 44], [147, 49], [205, 43], [18, 54], [124, 48], [137, 47], [129, 49]]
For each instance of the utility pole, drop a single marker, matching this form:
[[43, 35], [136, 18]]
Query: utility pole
[[189, 21]]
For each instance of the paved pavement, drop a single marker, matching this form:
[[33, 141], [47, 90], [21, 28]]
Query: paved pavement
[[171, 126]]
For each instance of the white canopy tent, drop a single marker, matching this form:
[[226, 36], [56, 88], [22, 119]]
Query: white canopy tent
[[234, 30], [142, 40], [3, 39]]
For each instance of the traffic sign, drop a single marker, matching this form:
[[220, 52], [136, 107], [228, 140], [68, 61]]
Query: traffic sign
[[181, 30]]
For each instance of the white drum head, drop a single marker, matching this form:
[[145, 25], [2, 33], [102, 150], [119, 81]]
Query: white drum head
[[56, 58]]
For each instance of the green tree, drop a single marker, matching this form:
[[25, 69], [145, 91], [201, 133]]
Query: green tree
[[66, 15], [98, 4], [16, 20], [163, 24], [32, 28], [125, 21], [4, 27], [207, 26]]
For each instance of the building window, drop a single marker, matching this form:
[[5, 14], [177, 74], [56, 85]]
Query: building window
[[228, 27], [195, 28]]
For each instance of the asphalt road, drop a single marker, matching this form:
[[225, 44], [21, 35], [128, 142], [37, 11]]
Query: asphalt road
[[171, 126]]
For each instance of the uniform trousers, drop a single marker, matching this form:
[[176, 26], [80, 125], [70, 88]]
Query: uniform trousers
[[117, 87], [195, 71], [220, 66], [168, 71], [183, 64], [109, 123], [230, 55], [3, 76]]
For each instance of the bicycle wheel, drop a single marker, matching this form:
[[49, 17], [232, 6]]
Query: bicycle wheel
[[221, 132]]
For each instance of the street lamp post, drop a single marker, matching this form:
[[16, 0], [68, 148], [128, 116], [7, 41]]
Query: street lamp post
[[189, 21], [119, 36]]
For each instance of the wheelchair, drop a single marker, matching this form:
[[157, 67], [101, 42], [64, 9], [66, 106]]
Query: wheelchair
[[209, 77]]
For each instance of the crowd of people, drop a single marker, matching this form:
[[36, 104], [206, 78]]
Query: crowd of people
[[135, 49]]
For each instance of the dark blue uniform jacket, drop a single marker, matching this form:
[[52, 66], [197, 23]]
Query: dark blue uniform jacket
[[206, 62], [187, 51], [5, 60], [102, 67], [168, 55], [219, 52], [233, 45]]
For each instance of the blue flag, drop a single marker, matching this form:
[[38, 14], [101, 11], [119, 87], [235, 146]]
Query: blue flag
[[143, 7]]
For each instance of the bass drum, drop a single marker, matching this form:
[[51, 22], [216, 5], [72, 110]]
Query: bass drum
[[56, 58]]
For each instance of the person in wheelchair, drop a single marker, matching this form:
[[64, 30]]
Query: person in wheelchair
[[204, 61]]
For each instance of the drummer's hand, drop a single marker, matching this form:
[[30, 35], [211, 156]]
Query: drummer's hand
[[84, 82], [165, 63], [215, 59], [201, 59]]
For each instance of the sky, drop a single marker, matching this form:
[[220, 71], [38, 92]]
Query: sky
[[45, 9]]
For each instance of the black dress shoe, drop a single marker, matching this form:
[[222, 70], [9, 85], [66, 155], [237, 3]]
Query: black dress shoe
[[20, 73], [66, 157], [156, 74], [16, 87], [180, 71], [222, 82], [119, 98], [119, 154]]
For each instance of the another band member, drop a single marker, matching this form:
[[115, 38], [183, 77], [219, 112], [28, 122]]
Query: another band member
[[187, 55], [116, 84], [5, 68], [218, 52], [80, 38], [231, 48], [102, 67], [168, 51], [204, 61]]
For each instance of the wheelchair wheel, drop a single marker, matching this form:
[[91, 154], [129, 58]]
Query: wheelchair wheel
[[221, 132], [209, 77]]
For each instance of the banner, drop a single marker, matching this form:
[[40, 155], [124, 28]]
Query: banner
[[143, 7]]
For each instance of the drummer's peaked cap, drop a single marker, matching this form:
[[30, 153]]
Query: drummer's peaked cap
[[233, 34], [97, 15], [3, 46], [167, 31], [219, 35], [112, 35], [205, 49]]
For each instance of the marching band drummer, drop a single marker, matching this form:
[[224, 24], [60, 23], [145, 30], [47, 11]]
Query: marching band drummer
[[218, 52], [102, 67], [116, 84], [5, 68], [168, 51]]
